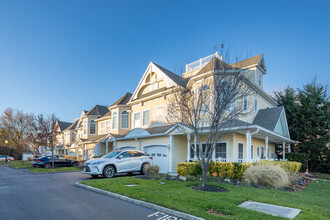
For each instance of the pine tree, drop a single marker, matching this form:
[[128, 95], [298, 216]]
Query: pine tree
[[312, 125]]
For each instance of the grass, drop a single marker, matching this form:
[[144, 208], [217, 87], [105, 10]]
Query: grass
[[15, 162], [21, 166], [325, 176], [50, 170], [314, 200]]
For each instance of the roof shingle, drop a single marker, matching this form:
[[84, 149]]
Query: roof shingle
[[123, 100], [98, 110], [268, 118]]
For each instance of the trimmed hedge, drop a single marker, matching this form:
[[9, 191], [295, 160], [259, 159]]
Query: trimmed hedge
[[288, 166], [298, 157], [232, 170]]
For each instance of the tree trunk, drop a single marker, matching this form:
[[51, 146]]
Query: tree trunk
[[52, 157]]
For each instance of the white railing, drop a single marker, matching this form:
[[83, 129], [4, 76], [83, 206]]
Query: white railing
[[234, 160], [201, 62]]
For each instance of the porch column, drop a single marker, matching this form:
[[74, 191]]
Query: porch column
[[266, 142], [189, 149], [115, 144], [195, 142], [248, 146], [106, 147], [171, 152], [283, 150], [233, 148], [289, 148]]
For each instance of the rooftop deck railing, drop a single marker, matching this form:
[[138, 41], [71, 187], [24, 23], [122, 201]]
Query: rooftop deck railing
[[201, 62]]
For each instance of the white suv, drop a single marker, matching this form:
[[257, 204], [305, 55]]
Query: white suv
[[125, 161]]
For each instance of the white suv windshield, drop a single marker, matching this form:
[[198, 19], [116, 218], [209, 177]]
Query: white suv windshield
[[112, 154]]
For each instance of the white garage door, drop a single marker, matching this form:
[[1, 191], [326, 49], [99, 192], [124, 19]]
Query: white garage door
[[127, 148], [160, 157]]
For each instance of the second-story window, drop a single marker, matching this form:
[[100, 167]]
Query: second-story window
[[137, 119], [146, 117], [245, 102], [259, 80], [159, 115], [124, 119], [102, 125], [114, 120], [92, 127], [107, 126], [85, 127], [255, 105]]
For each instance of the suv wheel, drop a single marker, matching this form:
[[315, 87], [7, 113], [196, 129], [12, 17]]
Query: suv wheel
[[47, 165], [143, 168], [109, 172]]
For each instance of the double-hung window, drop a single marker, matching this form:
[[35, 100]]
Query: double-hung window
[[102, 125], [124, 119], [92, 127], [245, 102], [137, 119], [146, 117], [221, 150], [107, 126], [159, 115], [255, 105], [114, 120]]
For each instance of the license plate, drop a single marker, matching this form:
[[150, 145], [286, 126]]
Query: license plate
[[84, 169]]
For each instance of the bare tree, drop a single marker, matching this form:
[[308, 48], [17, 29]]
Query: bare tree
[[208, 106], [15, 127], [47, 128]]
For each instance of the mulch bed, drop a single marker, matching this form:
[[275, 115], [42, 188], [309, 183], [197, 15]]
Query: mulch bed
[[209, 188]]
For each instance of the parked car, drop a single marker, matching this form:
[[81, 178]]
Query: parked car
[[59, 161], [3, 158], [120, 161]]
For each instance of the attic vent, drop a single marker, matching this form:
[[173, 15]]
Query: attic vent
[[201, 62]]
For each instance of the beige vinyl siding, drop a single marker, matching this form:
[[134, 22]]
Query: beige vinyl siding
[[180, 150]]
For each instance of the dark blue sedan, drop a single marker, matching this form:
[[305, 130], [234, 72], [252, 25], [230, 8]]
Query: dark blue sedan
[[59, 161]]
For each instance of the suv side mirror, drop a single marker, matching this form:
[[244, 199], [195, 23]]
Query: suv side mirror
[[120, 156]]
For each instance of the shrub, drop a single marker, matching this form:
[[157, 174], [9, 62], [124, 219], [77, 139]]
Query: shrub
[[288, 166], [221, 169], [152, 170], [266, 175], [298, 157]]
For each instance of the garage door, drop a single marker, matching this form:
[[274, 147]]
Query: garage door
[[127, 148], [160, 157]]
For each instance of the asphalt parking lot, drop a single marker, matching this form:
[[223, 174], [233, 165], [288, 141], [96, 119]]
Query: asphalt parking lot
[[53, 196]]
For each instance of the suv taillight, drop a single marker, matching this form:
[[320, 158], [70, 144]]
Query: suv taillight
[[150, 158], [38, 161]]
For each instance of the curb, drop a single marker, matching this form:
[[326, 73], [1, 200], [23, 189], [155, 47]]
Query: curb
[[40, 173], [139, 202]]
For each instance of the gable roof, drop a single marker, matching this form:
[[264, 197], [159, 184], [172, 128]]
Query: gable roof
[[72, 126], [268, 118], [215, 64], [247, 62], [98, 110], [176, 78], [63, 125], [123, 100]]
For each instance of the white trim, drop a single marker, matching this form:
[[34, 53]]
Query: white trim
[[155, 145], [134, 119], [121, 119], [163, 121], [143, 125], [127, 146]]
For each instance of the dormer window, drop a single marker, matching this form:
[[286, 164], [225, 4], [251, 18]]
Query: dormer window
[[92, 127], [259, 80]]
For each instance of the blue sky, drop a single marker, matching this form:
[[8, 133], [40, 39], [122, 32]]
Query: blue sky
[[65, 56]]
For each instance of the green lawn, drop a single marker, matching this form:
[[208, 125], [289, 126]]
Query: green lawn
[[314, 200], [325, 176], [20, 166], [60, 169], [15, 162]]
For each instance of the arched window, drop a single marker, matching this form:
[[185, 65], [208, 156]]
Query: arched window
[[92, 127], [124, 119], [114, 120]]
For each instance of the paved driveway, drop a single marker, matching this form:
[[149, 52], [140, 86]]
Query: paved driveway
[[53, 196]]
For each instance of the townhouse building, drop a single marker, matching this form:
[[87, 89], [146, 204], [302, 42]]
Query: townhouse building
[[139, 120]]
